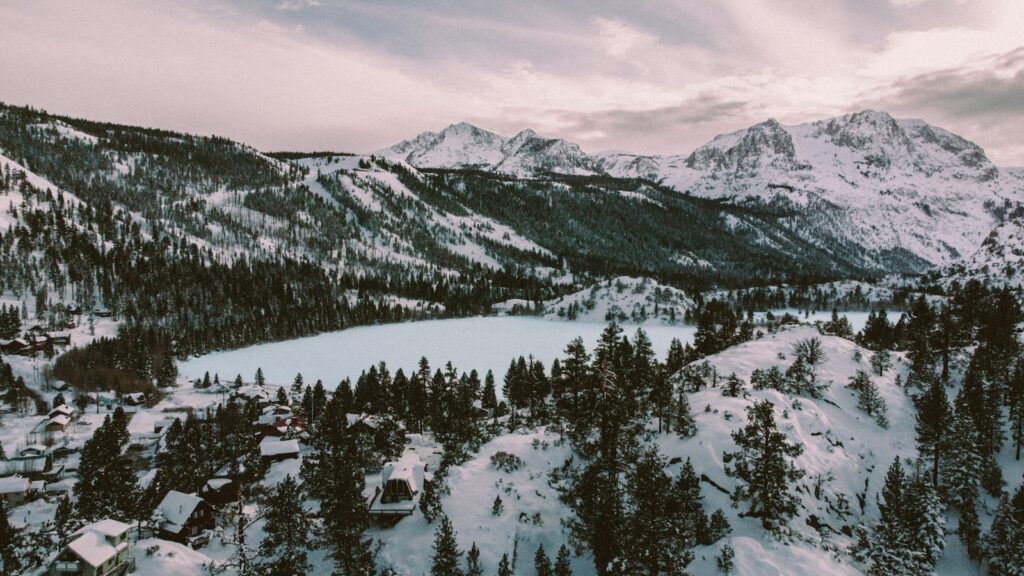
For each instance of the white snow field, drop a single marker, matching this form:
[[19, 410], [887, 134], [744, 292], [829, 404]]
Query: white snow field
[[481, 344]]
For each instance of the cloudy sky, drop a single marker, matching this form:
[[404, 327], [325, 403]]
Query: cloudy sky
[[645, 76]]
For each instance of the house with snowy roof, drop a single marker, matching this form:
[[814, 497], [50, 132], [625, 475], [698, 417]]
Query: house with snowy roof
[[401, 487], [274, 450], [99, 549], [184, 516], [32, 467], [15, 491]]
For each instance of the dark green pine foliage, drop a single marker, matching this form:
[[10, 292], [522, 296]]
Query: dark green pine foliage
[[9, 559], [932, 424], [688, 508], [445, 559], [563, 565], [504, 566], [1016, 401], [969, 529], [761, 464], [541, 562], [910, 535], [1005, 538], [920, 328], [473, 567], [107, 486], [684, 424], [283, 550], [656, 536]]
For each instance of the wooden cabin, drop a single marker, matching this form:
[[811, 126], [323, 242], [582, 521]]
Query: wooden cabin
[[185, 516], [99, 549]]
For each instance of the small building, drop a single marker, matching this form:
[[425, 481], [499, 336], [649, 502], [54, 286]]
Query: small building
[[135, 399], [185, 516], [401, 487], [62, 338], [61, 410], [219, 491], [32, 450], [32, 467], [292, 426], [273, 450], [14, 346], [15, 491], [99, 549]]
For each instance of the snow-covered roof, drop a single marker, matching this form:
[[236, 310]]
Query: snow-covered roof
[[61, 419], [62, 409], [24, 465], [13, 484], [218, 483], [176, 508], [408, 468], [92, 544], [279, 447], [107, 527]]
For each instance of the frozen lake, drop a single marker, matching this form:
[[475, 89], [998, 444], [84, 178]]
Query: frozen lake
[[482, 343]]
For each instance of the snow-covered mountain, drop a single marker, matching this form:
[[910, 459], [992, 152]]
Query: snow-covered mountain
[[903, 190], [464, 146], [998, 262]]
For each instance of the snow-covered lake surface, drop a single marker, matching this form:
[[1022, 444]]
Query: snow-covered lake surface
[[482, 343]]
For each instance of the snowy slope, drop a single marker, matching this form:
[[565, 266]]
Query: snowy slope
[[624, 299], [997, 262], [906, 192], [464, 146]]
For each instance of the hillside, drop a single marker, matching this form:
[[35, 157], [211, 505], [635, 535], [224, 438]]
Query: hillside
[[910, 194]]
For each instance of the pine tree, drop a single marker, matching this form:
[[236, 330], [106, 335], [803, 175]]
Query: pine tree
[[283, 550], [653, 531], [891, 551], [684, 423], [1016, 400], [9, 559], [473, 567], [687, 507], [541, 562], [733, 386], [498, 506], [932, 423], [562, 562], [718, 527], [869, 399], [1005, 540], [962, 468], [504, 566], [881, 361], [62, 519], [761, 464], [969, 529], [926, 520], [725, 559], [445, 559]]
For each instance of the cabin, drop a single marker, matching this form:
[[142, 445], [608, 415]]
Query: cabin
[[219, 491], [32, 451], [135, 399], [15, 491], [102, 312], [14, 346], [99, 549], [400, 489], [63, 409], [62, 338], [273, 450], [36, 468], [282, 426], [185, 516]]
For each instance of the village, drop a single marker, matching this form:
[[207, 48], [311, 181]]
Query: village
[[42, 454]]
